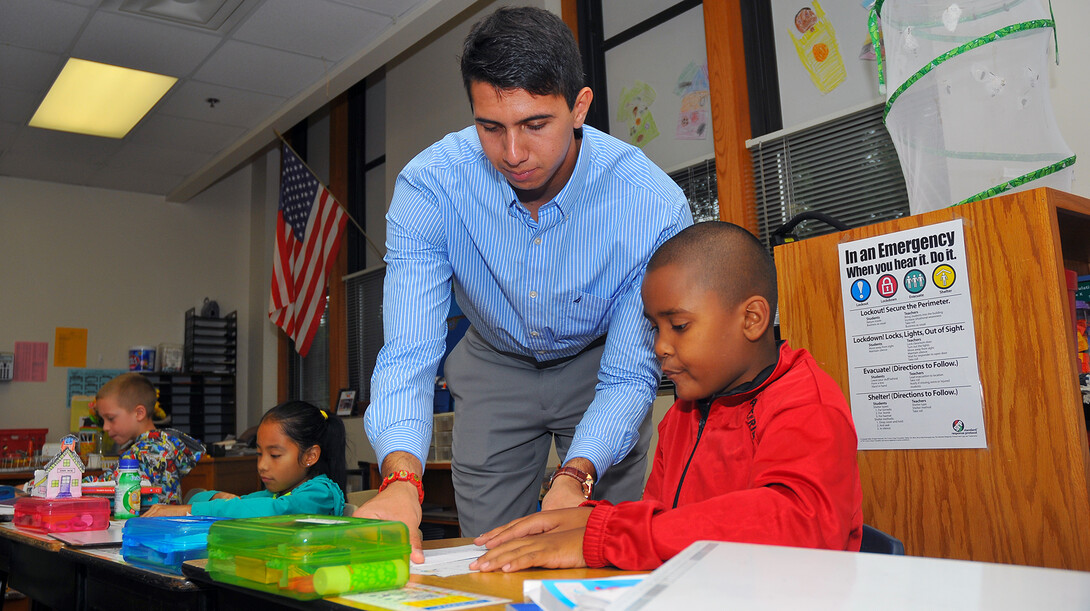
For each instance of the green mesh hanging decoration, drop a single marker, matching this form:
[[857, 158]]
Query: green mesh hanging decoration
[[967, 98]]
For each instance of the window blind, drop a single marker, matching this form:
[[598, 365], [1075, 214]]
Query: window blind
[[845, 167], [701, 189], [364, 304]]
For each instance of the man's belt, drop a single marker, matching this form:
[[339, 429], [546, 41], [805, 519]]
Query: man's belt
[[600, 341]]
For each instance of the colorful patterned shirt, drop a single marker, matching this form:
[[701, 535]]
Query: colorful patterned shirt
[[165, 457]]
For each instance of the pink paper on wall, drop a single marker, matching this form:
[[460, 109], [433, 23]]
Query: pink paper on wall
[[31, 359]]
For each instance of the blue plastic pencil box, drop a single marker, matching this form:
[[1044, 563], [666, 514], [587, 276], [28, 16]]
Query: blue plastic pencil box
[[165, 543]]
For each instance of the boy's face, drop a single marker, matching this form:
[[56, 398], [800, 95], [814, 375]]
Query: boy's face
[[703, 345], [122, 425], [280, 463], [529, 138]]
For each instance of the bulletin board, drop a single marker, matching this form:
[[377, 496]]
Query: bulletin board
[[654, 83], [847, 71]]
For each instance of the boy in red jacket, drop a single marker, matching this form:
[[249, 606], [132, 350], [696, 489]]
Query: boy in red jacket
[[759, 448]]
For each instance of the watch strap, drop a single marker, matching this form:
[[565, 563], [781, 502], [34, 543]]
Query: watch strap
[[585, 479]]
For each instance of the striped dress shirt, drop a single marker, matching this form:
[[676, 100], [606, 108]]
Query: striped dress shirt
[[544, 289]]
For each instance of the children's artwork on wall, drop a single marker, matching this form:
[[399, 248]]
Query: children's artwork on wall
[[80, 413], [817, 48], [635, 111], [692, 86], [87, 382]]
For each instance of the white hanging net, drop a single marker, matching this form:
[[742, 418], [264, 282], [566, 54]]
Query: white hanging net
[[967, 98]]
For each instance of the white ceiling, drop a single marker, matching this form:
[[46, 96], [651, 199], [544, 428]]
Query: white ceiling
[[270, 64]]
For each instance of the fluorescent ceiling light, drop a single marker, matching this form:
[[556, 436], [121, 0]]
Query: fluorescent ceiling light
[[100, 99]]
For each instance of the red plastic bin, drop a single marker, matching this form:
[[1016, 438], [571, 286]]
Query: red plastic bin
[[21, 443]]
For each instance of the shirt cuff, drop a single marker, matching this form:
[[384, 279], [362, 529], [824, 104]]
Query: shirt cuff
[[594, 537], [597, 452], [412, 436]]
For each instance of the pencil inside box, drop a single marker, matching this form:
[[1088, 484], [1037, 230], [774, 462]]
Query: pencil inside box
[[309, 556]]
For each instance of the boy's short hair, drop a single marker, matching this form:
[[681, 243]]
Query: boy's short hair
[[523, 48], [131, 389], [731, 260]]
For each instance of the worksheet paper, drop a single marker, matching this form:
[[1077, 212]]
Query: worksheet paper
[[448, 561]]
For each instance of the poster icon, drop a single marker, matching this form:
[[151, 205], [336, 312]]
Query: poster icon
[[943, 276], [861, 290], [887, 286], [915, 281]]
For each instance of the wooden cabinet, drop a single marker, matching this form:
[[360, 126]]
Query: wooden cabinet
[[234, 474], [1026, 498]]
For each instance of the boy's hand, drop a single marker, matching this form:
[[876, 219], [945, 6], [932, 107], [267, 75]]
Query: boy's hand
[[159, 511], [553, 550], [534, 524]]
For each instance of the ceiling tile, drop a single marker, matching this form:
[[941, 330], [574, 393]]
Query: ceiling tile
[[143, 44], [254, 68], [139, 182], [184, 134], [7, 135], [23, 25], [391, 8], [55, 146], [29, 70], [67, 171], [18, 106], [235, 107], [142, 158], [317, 28]]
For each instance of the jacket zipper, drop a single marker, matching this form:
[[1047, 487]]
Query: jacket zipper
[[699, 432]]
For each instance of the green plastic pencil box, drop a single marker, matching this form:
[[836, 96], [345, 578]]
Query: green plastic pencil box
[[309, 556]]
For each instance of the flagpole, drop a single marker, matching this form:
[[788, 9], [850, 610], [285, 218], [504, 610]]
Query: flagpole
[[346, 213]]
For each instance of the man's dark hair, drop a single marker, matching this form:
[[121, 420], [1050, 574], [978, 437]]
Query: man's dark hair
[[730, 259], [523, 48]]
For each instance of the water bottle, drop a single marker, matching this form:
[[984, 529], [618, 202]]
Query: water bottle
[[127, 492]]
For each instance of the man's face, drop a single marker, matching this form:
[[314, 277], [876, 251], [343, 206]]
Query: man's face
[[530, 139]]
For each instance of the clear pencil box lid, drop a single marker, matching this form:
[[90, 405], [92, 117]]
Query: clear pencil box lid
[[309, 556], [165, 543]]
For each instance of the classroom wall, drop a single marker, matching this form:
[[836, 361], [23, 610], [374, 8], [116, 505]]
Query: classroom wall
[[1069, 84], [125, 266]]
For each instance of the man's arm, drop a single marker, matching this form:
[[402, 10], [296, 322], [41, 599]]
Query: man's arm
[[628, 380]]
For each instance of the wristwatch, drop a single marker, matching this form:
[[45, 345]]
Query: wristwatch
[[585, 479], [403, 476]]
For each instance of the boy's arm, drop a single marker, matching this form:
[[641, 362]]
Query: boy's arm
[[805, 493]]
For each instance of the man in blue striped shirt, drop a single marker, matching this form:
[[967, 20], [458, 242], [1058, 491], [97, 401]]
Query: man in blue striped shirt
[[541, 228]]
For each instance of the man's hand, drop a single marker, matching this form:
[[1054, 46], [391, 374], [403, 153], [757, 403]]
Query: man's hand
[[159, 511], [553, 550], [538, 523], [400, 501], [568, 491]]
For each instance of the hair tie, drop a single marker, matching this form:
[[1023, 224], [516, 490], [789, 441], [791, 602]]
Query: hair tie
[[325, 416]]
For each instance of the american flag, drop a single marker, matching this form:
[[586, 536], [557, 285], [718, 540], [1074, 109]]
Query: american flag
[[309, 224]]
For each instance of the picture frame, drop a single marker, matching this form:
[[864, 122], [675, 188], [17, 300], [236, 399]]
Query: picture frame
[[346, 402]]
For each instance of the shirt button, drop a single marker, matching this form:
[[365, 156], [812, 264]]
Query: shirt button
[[537, 240], [533, 333], [533, 294], [541, 352]]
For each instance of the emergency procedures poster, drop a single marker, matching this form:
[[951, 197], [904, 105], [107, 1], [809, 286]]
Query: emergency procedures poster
[[912, 362]]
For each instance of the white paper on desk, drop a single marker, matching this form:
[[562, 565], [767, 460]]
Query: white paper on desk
[[448, 561]]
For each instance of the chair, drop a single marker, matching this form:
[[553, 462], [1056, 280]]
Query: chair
[[348, 510], [878, 542]]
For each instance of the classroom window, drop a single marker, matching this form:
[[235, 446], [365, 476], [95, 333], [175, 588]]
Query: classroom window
[[308, 377], [363, 297], [701, 189], [845, 167]]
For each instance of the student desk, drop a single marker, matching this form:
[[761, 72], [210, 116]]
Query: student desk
[[507, 586], [63, 577]]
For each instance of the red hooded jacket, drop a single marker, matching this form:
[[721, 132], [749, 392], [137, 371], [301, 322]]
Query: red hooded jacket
[[772, 462]]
